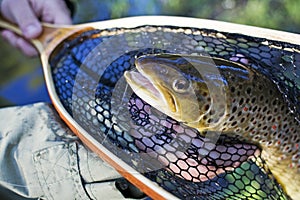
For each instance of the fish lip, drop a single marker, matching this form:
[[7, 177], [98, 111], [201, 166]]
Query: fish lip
[[172, 98], [139, 80], [140, 64]]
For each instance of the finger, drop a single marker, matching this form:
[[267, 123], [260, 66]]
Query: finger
[[19, 43], [25, 17], [10, 37], [56, 12], [26, 47]]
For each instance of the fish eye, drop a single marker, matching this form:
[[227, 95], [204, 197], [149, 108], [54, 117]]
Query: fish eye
[[181, 85]]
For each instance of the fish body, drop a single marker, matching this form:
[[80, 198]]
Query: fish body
[[212, 94]]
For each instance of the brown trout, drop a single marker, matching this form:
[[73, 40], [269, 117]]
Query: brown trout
[[212, 94]]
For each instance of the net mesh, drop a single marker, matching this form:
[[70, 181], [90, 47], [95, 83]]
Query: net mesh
[[88, 75]]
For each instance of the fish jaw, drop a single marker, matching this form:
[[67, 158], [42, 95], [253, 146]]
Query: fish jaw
[[150, 92], [153, 82]]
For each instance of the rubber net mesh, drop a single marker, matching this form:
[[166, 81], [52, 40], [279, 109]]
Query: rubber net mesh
[[88, 74]]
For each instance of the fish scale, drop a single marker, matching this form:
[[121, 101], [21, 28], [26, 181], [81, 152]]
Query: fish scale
[[253, 113], [67, 66], [266, 129]]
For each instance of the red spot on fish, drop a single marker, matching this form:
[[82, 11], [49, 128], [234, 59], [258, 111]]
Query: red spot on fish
[[252, 132], [281, 157], [274, 127], [278, 142], [245, 108], [297, 146]]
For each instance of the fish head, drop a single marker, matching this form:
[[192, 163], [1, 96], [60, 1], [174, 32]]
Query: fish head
[[165, 82]]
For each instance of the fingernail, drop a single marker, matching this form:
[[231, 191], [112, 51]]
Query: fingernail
[[31, 31]]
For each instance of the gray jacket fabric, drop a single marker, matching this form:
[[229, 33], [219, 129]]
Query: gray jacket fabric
[[41, 158]]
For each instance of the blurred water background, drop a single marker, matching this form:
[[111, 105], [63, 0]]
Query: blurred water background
[[21, 78]]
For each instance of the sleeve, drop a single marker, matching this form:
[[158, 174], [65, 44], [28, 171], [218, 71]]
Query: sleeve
[[41, 158]]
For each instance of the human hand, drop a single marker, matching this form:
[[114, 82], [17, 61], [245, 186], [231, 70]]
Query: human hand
[[28, 14]]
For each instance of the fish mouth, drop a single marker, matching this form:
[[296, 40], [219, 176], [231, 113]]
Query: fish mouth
[[150, 91]]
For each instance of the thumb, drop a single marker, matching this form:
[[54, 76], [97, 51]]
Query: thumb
[[22, 13]]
